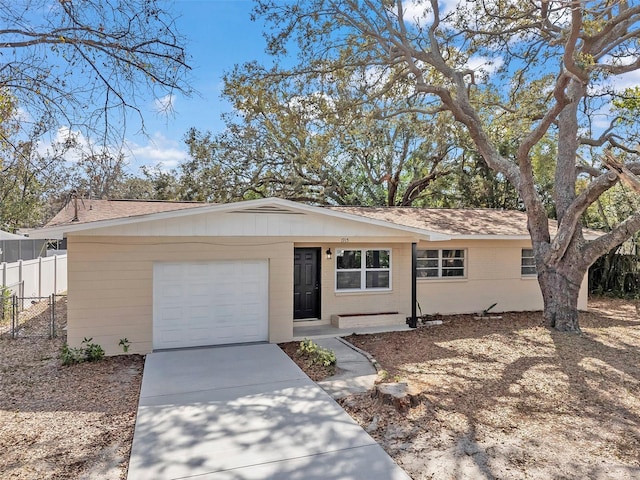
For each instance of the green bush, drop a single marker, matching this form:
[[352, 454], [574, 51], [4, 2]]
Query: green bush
[[5, 304], [89, 352], [316, 354], [92, 351], [72, 355]]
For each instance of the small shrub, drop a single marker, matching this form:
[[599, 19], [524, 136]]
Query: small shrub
[[5, 304], [89, 352], [316, 354], [72, 355], [92, 351], [124, 343]]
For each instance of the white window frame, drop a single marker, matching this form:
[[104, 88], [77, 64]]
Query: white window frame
[[363, 270], [440, 259], [534, 273]]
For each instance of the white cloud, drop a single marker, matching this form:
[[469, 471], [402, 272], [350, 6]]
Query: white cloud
[[164, 104], [626, 80], [23, 115], [376, 74], [63, 135], [419, 12], [158, 149], [484, 66]]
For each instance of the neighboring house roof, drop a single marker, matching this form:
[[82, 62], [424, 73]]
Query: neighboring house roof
[[451, 221], [10, 236], [93, 210]]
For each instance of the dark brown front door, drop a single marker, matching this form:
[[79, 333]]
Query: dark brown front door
[[306, 283]]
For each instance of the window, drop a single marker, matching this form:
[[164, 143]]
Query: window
[[440, 263], [363, 269], [528, 262]]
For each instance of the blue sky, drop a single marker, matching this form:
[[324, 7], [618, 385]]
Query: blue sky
[[220, 34]]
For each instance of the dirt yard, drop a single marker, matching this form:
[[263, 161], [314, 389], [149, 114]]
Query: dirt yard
[[503, 399], [60, 422], [509, 399]]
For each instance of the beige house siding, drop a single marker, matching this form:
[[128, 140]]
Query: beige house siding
[[111, 283], [492, 276], [398, 299], [314, 225]]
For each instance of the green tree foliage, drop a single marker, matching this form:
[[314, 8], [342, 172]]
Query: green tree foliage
[[99, 174], [308, 143], [159, 184], [28, 175], [617, 272]]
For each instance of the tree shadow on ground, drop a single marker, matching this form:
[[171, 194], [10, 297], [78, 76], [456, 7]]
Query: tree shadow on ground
[[504, 397]]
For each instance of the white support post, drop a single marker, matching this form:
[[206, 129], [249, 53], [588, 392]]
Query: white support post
[[39, 276], [21, 284]]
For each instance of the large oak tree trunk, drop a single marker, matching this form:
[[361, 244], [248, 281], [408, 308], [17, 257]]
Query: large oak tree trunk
[[560, 279], [560, 290]]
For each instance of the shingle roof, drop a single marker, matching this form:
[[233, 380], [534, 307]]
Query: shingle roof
[[90, 210], [451, 221], [455, 222]]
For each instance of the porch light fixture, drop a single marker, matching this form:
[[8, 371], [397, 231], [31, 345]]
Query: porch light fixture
[[329, 254]]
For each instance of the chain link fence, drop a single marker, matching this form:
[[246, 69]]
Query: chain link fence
[[24, 317]]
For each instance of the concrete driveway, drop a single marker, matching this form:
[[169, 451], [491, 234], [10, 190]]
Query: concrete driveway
[[245, 412]]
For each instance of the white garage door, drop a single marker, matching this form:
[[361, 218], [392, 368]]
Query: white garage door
[[210, 303]]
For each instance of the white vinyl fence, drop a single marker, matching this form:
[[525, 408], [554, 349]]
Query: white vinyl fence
[[35, 278]]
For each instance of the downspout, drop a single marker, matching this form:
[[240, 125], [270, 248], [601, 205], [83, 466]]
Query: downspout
[[412, 321]]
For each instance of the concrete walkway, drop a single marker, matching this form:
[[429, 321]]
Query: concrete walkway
[[355, 371], [245, 412]]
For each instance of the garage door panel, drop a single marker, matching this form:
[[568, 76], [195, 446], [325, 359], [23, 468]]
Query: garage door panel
[[209, 303]]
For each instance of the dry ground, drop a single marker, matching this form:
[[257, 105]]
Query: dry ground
[[504, 399], [60, 422], [314, 371], [510, 399]]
